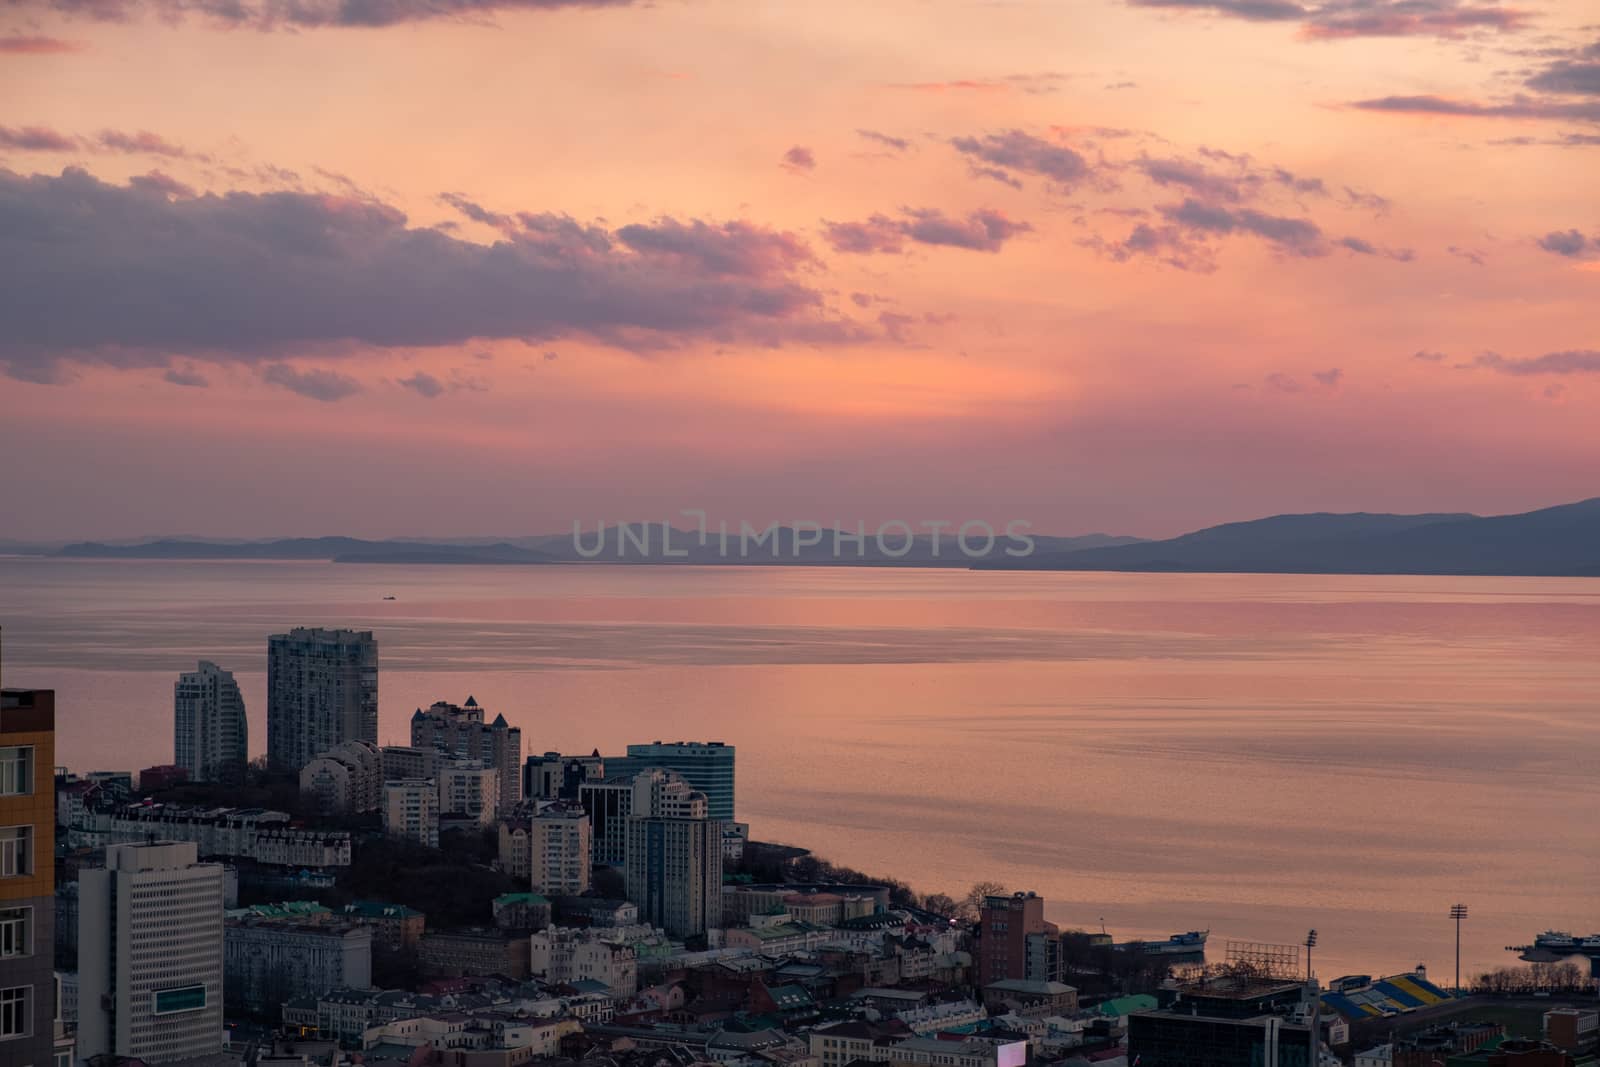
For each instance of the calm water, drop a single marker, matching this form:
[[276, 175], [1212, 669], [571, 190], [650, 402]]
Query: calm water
[[1253, 754]]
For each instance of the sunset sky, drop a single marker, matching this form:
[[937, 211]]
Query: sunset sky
[[458, 267]]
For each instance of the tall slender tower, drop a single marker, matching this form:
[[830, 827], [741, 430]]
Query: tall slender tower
[[322, 690], [210, 735], [674, 865], [27, 877]]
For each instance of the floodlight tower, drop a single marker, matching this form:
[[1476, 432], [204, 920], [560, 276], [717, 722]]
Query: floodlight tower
[[1458, 912]]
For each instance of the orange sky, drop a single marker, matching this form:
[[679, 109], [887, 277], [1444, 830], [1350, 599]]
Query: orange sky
[[1122, 265]]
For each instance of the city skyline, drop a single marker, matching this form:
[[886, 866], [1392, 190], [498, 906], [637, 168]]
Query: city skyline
[[1125, 265]]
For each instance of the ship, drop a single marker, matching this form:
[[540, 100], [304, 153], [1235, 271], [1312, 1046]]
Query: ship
[[1555, 939], [1192, 943]]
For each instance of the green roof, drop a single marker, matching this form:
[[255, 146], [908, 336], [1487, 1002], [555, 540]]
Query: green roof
[[378, 909], [520, 898], [291, 909], [1128, 1005]]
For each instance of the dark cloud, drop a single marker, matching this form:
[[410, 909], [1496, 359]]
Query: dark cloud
[[131, 275], [979, 231], [186, 375], [18, 45], [140, 142], [301, 14], [896, 327], [1362, 246], [896, 144], [1000, 155], [1333, 19], [35, 139], [1471, 255], [314, 383], [1255, 10], [1166, 244], [476, 212], [424, 384], [1576, 361], [1569, 243], [1295, 236], [1330, 377], [1411, 18], [1579, 78], [799, 159], [1428, 357], [163, 184], [143, 142], [1518, 107]]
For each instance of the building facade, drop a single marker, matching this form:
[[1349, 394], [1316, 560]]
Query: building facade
[[558, 850], [460, 731], [566, 955], [322, 690], [347, 780], [552, 776], [613, 800], [674, 872], [1004, 927], [515, 832], [411, 810], [27, 877], [221, 833], [469, 790], [150, 954], [269, 961], [210, 734], [705, 765]]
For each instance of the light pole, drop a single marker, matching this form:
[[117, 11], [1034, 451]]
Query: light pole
[[1458, 912], [1316, 1003]]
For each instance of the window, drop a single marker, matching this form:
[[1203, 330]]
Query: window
[[16, 851], [15, 1018], [16, 770], [16, 930]]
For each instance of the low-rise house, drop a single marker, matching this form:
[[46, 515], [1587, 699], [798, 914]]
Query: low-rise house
[[521, 911], [395, 927], [267, 961], [1031, 999], [464, 952], [568, 955]]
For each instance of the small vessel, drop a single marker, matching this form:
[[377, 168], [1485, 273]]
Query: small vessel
[[388, 598], [1555, 939]]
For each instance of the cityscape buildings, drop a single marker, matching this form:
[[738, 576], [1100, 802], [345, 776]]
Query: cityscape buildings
[[411, 810], [674, 866], [705, 765], [558, 850], [322, 690], [150, 954], [27, 877], [460, 730], [210, 734]]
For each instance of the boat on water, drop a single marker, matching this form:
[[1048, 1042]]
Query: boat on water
[[1192, 943], [1555, 939], [388, 598]]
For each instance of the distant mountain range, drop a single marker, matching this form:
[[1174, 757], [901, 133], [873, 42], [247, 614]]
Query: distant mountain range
[[1558, 541], [649, 543]]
